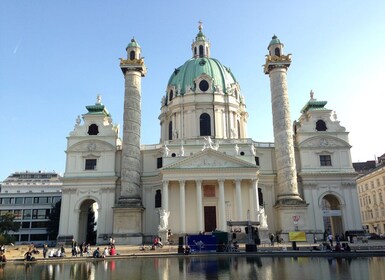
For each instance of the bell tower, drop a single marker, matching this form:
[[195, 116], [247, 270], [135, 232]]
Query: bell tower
[[128, 209]]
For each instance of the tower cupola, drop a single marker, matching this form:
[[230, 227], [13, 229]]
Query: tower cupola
[[275, 47], [200, 47], [133, 50]]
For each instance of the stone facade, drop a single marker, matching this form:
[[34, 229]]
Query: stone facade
[[205, 172]]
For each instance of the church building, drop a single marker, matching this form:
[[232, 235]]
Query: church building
[[205, 172]]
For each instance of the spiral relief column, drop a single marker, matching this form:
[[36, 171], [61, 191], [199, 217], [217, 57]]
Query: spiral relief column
[[128, 209]]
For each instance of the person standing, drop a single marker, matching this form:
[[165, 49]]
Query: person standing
[[45, 250]]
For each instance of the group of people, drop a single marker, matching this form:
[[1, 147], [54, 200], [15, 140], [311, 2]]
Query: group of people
[[108, 251], [339, 246]]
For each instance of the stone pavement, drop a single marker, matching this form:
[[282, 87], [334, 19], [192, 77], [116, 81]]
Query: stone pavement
[[16, 253]]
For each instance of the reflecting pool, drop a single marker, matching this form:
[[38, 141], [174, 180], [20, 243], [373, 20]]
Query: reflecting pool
[[198, 267]]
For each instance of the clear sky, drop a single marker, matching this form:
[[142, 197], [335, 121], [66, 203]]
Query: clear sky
[[56, 56]]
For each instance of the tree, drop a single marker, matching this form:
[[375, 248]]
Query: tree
[[54, 220], [8, 224]]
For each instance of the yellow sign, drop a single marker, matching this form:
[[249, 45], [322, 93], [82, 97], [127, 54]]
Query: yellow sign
[[297, 236]]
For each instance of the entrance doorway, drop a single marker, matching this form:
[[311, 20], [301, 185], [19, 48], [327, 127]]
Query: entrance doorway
[[332, 216], [210, 218], [88, 217]]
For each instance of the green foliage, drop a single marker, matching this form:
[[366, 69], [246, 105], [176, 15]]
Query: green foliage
[[53, 225], [7, 223], [6, 239]]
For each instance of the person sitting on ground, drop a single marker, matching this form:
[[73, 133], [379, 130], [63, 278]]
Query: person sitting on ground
[[105, 252], [2, 257], [157, 242], [51, 253], [112, 250], [28, 255], [187, 250], [62, 251], [235, 246], [96, 253], [346, 247], [338, 247]]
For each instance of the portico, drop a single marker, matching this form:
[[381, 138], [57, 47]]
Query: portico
[[197, 203]]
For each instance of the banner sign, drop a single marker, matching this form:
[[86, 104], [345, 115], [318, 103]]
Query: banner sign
[[202, 243], [331, 213], [297, 236]]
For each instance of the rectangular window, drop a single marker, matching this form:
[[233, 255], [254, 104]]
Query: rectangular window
[[325, 160], [257, 161], [40, 214], [56, 199], [19, 200], [7, 200], [25, 225], [90, 164], [158, 199], [39, 224], [27, 214], [18, 214], [39, 237], [159, 162], [24, 237], [28, 200]]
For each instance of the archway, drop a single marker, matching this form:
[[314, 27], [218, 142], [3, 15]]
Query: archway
[[332, 214], [88, 217]]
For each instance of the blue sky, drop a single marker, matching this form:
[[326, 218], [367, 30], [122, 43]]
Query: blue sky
[[56, 56]]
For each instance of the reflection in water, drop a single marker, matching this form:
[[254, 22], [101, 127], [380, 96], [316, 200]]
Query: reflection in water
[[207, 267]]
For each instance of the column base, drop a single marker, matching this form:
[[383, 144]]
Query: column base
[[127, 225], [291, 215]]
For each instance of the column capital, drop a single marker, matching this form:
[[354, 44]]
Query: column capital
[[254, 180], [198, 182], [165, 183], [182, 182], [221, 181], [237, 180]]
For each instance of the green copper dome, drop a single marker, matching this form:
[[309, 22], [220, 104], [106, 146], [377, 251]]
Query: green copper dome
[[133, 43], [274, 41], [184, 76]]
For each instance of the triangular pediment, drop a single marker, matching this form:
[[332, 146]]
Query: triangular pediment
[[324, 141], [210, 159]]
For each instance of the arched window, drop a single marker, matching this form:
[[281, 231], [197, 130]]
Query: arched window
[[158, 199], [200, 51], [195, 51], [170, 131], [132, 55], [320, 125], [205, 124], [277, 52], [171, 95], [93, 129]]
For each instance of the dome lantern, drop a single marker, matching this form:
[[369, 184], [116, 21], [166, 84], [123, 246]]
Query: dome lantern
[[200, 47]]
